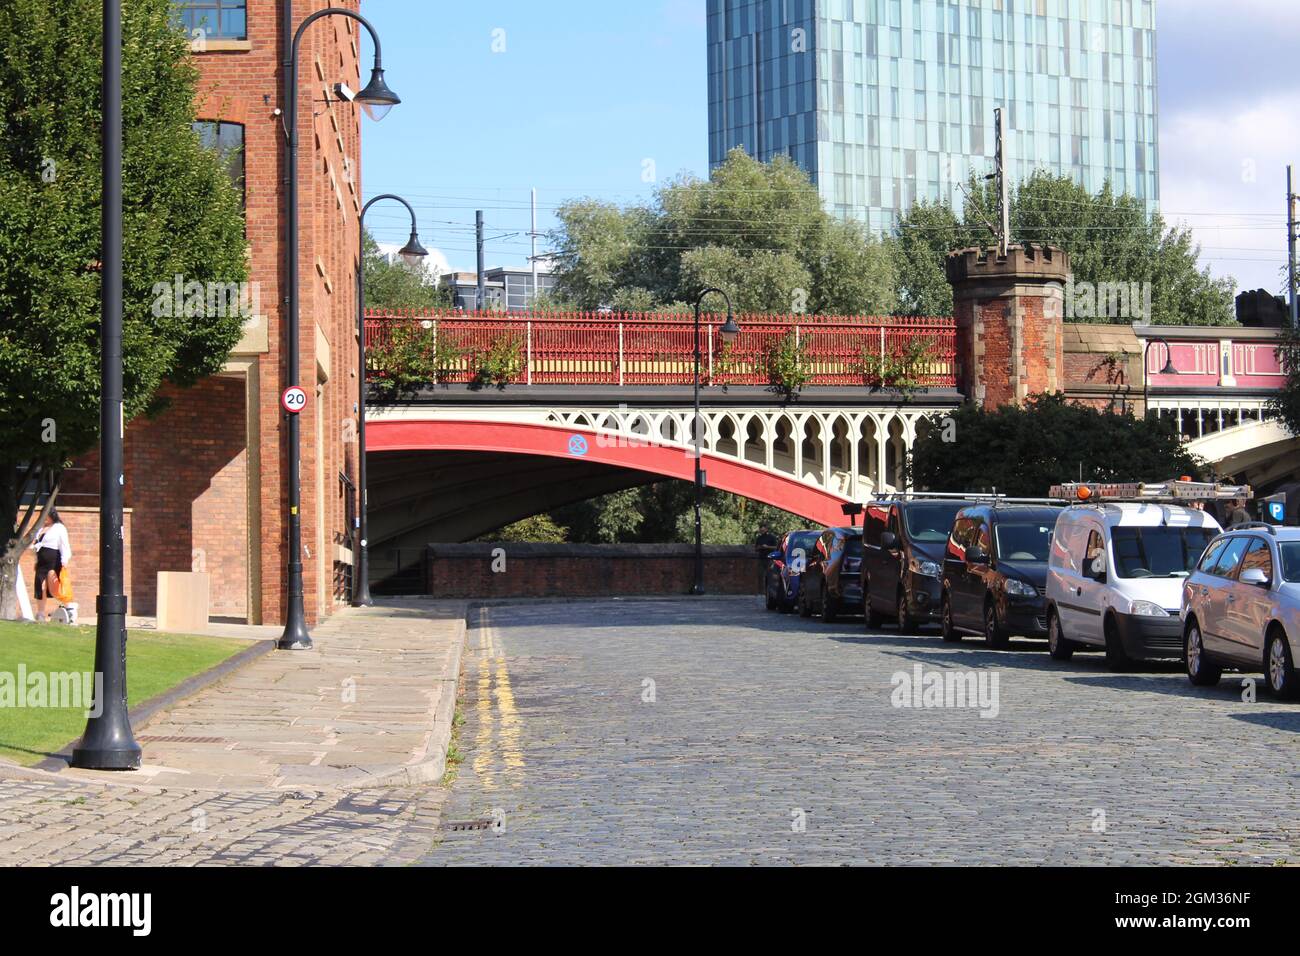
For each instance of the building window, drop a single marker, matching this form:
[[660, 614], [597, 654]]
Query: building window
[[217, 19], [228, 140]]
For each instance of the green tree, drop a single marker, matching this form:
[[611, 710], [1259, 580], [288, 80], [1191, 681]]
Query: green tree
[[1024, 451], [395, 285], [537, 529], [1286, 402], [756, 230], [182, 217], [1111, 238]]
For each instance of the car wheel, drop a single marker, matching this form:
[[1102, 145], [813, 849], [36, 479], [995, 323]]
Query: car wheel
[[1281, 672], [771, 599], [995, 635], [1058, 647], [828, 607], [906, 623], [805, 609], [1201, 671], [1117, 658], [950, 633]]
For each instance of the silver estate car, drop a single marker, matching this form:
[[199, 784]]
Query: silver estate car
[[1241, 607]]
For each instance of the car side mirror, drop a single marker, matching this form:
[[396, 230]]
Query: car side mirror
[[977, 555], [1097, 568], [775, 556], [1254, 576], [889, 541]]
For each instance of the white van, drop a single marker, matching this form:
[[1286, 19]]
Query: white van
[[1115, 577]]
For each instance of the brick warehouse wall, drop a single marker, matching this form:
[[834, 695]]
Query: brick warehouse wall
[[243, 84], [186, 483], [586, 570], [220, 499]]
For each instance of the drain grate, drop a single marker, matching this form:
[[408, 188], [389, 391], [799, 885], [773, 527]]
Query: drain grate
[[462, 826], [159, 739]]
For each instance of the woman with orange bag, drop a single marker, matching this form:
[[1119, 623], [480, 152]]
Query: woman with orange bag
[[53, 552]]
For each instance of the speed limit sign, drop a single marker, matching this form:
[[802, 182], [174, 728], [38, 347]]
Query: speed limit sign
[[293, 400]]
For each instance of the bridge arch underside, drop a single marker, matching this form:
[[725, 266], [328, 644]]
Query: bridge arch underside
[[454, 481]]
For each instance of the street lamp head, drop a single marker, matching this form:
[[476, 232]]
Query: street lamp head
[[377, 99], [412, 252], [729, 329]]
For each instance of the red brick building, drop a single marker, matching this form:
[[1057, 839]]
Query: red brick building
[[205, 480]]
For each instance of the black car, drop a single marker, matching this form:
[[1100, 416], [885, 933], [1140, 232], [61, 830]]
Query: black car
[[831, 585], [902, 559], [785, 568], [995, 572]]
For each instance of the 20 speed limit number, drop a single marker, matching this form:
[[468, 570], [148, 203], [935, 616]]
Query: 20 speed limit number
[[293, 400]]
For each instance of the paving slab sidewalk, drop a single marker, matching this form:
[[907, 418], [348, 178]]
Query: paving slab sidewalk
[[370, 705]]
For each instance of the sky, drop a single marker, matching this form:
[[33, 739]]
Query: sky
[[607, 99]]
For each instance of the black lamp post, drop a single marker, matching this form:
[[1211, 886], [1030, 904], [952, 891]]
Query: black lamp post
[[376, 99], [411, 253], [1146, 378], [107, 743], [728, 331]]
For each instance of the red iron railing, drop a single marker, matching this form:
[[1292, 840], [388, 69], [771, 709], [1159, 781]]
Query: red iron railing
[[590, 348]]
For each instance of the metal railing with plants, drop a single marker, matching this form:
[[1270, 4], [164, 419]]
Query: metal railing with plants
[[408, 350]]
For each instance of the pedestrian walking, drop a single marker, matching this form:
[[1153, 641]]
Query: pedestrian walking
[[764, 544], [1237, 513], [53, 554]]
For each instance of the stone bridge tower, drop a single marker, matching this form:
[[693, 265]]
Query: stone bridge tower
[[1009, 312]]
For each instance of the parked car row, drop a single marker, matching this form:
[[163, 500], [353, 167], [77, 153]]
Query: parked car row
[[1140, 578]]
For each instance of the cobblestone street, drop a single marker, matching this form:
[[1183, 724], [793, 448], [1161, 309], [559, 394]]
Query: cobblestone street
[[711, 731], [756, 722]]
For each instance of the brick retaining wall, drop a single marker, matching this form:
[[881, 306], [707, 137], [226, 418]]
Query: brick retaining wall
[[585, 570]]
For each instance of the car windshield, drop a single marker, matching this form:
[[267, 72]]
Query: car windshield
[[806, 540], [1158, 552], [853, 547], [1028, 541], [930, 521], [1290, 561]]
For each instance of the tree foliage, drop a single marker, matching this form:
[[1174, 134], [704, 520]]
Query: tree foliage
[[1111, 238], [1024, 451], [182, 217], [395, 285], [756, 230], [665, 512], [1286, 402]]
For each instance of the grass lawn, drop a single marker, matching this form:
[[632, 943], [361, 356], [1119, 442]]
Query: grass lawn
[[154, 663]]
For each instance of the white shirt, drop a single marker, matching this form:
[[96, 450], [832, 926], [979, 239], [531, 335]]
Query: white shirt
[[55, 536]]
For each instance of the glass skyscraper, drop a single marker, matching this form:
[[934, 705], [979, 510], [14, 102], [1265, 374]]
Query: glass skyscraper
[[884, 102]]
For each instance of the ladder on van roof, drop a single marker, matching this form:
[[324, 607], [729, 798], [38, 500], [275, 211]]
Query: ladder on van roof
[[1173, 491]]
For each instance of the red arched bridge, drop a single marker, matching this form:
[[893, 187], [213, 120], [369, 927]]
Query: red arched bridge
[[514, 415], [480, 420]]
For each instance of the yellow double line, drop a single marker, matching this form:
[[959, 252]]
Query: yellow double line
[[499, 727]]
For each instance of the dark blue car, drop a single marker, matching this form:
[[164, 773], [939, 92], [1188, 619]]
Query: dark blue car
[[785, 568], [995, 572]]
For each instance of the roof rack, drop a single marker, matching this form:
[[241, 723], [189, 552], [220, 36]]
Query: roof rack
[[1255, 526], [1173, 491]]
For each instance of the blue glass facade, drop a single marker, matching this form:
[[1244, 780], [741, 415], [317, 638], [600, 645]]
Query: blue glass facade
[[885, 102]]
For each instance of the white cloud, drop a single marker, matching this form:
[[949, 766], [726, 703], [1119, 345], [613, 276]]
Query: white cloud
[[1223, 173]]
